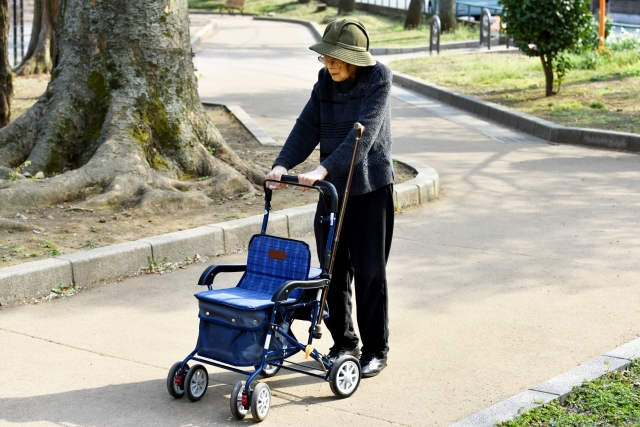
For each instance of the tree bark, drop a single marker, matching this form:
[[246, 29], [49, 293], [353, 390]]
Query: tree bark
[[39, 56], [346, 6], [6, 82], [121, 115], [414, 14], [447, 15], [547, 67]]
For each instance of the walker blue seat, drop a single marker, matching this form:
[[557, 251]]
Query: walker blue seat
[[234, 322], [271, 261]]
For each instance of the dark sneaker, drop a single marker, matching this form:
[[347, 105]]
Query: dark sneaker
[[372, 366], [337, 352]]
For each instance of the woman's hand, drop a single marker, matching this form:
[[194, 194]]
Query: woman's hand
[[310, 178], [275, 174]]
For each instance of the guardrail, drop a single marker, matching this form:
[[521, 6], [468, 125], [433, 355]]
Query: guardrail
[[432, 6]]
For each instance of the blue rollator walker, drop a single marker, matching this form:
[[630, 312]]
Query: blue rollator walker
[[249, 326]]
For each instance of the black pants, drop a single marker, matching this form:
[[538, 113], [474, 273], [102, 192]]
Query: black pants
[[363, 250]]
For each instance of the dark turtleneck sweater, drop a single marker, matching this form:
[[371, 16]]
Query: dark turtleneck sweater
[[328, 119]]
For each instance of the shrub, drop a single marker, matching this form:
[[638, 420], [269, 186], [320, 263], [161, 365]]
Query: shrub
[[546, 28]]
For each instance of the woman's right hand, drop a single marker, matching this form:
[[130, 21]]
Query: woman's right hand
[[275, 174]]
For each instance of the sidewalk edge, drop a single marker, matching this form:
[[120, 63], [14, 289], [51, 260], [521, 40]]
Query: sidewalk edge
[[523, 122], [558, 387]]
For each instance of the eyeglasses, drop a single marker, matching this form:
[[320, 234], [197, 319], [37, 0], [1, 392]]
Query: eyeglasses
[[330, 61]]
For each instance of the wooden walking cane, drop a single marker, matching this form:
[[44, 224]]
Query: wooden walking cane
[[359, 129]]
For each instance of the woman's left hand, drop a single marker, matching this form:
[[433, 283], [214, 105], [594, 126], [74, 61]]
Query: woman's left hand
[[310, 178]]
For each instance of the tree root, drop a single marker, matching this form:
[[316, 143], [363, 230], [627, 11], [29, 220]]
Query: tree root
[[111, 179], [121, 123]]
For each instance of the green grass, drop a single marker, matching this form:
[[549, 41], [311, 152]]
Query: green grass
[[613, 400], [600, 92], [383, 31]]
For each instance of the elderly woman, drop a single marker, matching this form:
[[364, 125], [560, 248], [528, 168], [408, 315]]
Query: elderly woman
[[351, 87]]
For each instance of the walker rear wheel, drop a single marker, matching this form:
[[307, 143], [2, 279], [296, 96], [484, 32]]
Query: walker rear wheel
[[260, 402], [196, 382], [268, 371], [175, 380], [344, 377], [237, 409]]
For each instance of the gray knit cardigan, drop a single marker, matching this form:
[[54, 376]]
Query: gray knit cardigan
[[328, 119]]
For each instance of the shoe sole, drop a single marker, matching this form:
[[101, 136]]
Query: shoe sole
[[373, 374]]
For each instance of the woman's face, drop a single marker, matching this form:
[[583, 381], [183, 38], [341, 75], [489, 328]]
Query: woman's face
[[339, 70]]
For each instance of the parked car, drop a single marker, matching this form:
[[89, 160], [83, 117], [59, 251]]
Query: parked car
[[473, 9]]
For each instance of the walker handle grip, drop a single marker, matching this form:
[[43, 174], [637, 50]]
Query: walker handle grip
[[326, 187]]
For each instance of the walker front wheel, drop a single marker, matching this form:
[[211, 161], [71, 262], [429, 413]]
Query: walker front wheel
[[344, 377], [175, 380], [196, 382], [237, 409], [260, 402]]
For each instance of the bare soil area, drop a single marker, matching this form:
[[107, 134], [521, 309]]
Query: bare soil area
[[41, 232]]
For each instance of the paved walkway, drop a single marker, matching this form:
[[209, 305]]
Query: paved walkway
[[526, 267]]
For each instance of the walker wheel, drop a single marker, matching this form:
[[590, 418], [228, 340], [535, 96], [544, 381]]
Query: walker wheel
[[260, 402], [268, 371], [175, 380], [196, 382], [237, 409], [344, 377]]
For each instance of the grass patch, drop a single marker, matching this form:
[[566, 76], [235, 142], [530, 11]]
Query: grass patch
[[612, 400], [383, 31], [600, 92]]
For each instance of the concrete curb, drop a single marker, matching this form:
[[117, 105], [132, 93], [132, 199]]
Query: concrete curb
[[33, 279], [246, 120], [523, 122], [556, 388], [204, 31], [317, 32], [90, 268], [23, 282]]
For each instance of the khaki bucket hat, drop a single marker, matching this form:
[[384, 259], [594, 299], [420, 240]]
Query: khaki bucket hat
[[346, 40]]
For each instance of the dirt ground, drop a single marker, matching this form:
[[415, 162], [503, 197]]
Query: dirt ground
[[61, 229]]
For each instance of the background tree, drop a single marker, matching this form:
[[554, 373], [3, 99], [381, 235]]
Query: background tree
[[121, 122], [39, 56], [6, 83], [346, 6], [414, 14], [546, 28], [447, 14]]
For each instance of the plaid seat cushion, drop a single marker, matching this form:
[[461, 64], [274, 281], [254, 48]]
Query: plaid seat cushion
[[274, 260]]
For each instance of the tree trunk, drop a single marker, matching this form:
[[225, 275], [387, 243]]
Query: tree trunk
[[121, 117], [38, 58], [6, 83], [547, 67], [414, 14], [346, 6], [447, 15]]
